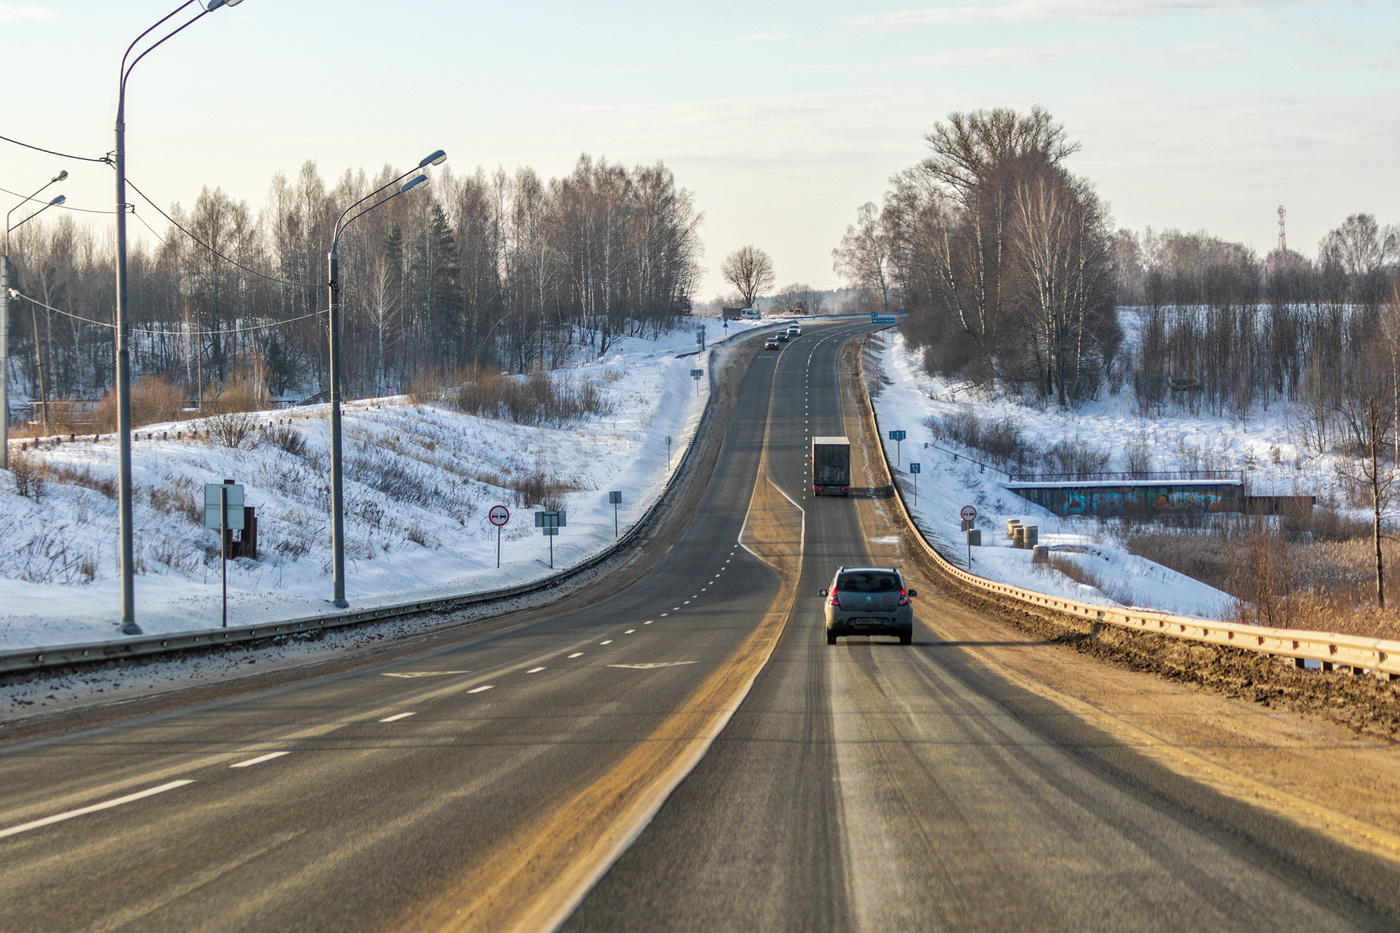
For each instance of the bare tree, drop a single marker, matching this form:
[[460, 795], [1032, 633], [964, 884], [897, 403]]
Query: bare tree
[[863, 258], [750, 270]]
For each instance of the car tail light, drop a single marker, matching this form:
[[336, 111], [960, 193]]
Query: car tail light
[[834, 599], [903, 597]]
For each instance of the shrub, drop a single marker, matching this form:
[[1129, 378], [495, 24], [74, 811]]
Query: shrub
[[288, 438], [232, 429], [155, 399], [28, 472]]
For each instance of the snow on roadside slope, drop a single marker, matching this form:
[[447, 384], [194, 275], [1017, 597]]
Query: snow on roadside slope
[[950, 480], [420, 480]]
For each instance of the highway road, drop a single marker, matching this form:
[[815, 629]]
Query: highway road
[[685, 754]]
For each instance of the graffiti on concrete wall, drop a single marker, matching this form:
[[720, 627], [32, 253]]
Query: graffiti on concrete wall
[[1130, 499]]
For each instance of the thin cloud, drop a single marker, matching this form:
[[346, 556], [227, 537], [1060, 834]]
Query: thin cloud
[[1043, 11], [753, 37], [1019, 57], [9, 13]]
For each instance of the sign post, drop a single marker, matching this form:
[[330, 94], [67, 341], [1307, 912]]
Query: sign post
[[914, 470], [498, 515], [968, 514], [700, 336], [549, 524], [223, 510], [697, 374], [668, 451], [615, 497], [898, 438]]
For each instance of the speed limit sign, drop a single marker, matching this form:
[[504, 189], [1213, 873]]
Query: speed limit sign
[[968, 513], [499, 515]]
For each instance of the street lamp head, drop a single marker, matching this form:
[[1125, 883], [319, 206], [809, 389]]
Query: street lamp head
[[60, 176], [215, 4], [414, 183], [58, 200], [437, 158]]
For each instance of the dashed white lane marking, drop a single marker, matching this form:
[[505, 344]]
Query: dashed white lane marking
[[703, 588], [677, 608], [608, 642], [82, 811], [629, 631], [482, 689], [648, 621], [664, 614], [396, 717], [576, 654], [534, 670], [259, 760], [686, 603]]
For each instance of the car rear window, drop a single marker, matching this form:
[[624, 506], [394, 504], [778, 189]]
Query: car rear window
[[865, 581]]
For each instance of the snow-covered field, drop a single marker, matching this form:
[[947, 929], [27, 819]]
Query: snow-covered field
[[420, 480], [951, 479]]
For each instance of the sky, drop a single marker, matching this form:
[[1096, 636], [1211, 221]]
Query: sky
[[781, 117]]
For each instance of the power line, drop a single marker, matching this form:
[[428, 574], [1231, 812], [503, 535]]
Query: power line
[[106, 159], [227, 259], [161, 332], [65, 207]]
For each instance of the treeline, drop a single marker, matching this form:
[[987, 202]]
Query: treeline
[[1011, 273], [1225, 331], [1002, 257], [505, 270]]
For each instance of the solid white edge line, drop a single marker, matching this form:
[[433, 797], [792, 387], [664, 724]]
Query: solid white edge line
[[82, 811], [396, 717], [259, 760]]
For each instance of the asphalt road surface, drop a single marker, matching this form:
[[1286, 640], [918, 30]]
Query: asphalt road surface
[[687, 754]]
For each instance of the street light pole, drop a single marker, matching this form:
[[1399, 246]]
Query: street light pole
[[123, 351], [334, 390], [5, 314]]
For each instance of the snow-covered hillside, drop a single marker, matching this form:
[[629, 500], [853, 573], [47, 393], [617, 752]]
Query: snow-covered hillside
[[420, 480], [951, 478]]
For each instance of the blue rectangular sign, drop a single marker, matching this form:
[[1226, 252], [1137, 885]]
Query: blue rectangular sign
[[897, 435]]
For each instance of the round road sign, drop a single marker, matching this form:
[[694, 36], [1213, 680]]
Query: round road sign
[[499, 515], [968, 513]]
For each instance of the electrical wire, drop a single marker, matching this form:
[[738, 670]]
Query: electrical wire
[[227, 259], [161, 332], [63, 207], [106, 159]]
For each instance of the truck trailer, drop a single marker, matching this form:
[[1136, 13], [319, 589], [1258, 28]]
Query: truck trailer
[[831, 466]]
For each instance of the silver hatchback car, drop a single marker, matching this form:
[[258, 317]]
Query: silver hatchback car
[[869, 601]]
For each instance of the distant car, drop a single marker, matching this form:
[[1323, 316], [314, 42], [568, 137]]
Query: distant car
[[794, 329], [782, 336], [869, 601], [772, 344]]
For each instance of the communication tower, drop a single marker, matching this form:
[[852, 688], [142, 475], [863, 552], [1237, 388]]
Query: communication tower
[[1282, 240]]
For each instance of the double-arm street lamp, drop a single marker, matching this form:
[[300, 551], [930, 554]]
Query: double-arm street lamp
[[124, 485], [345, 219], [5, 313]]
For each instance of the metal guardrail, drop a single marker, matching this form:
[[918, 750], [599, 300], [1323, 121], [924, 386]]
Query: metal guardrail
[[1328, 649], [35, 659]]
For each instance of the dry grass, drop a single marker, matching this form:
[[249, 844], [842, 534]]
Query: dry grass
[[1312, 572]]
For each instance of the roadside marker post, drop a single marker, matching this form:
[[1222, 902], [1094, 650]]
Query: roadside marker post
[[615, 497], [223, 511], [499, 515], [914, 470], [668, 451]]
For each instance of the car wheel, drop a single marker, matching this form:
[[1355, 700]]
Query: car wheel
[[831, 638], [906, 638]]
